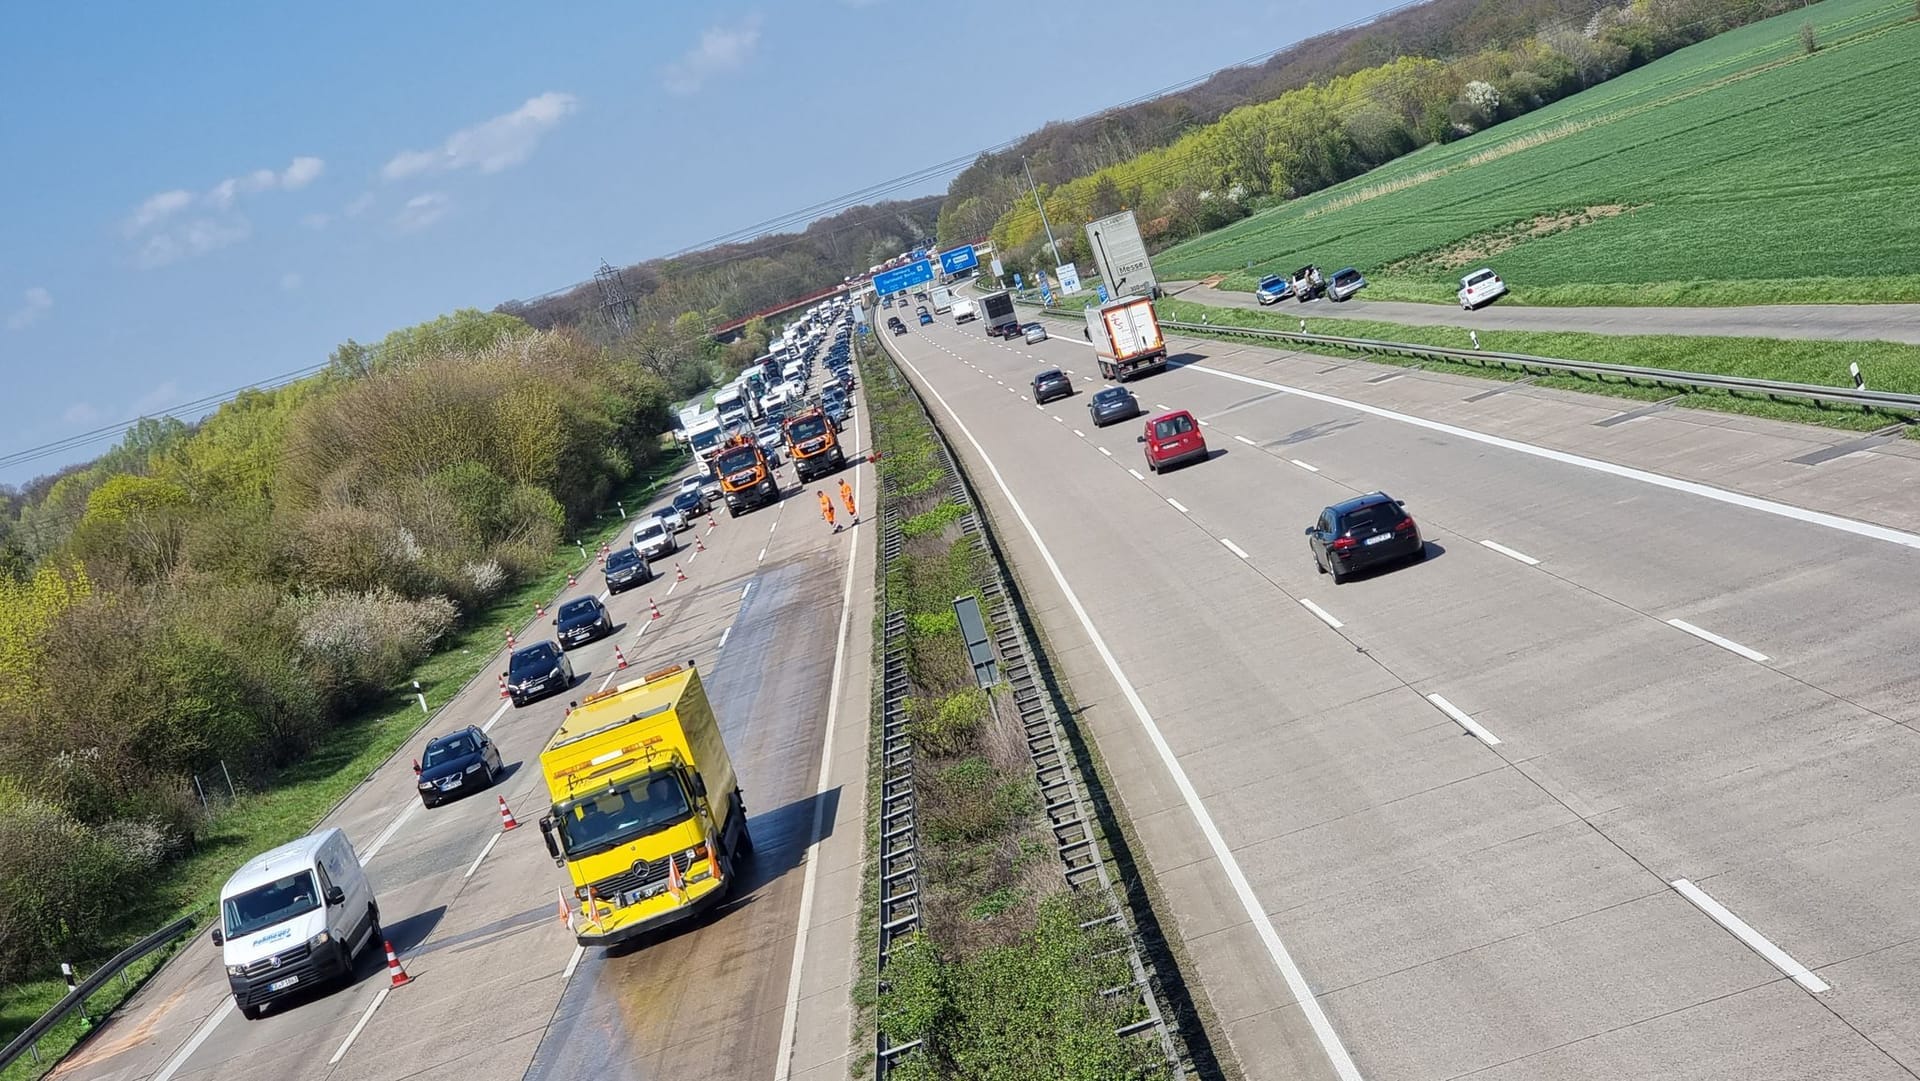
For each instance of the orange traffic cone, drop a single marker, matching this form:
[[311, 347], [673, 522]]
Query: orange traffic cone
[[699, 545], [507, 821], [566, 914], [675, 885], [394, 971], [571, 580], [504, 693], [678, 574], [509, 638], [711, 524], [621, 657], [651, 603]]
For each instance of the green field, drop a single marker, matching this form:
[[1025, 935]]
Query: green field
[[1738, 171]]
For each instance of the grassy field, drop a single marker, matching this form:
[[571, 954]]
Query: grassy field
[[1738, 171], [304, 793], [1888, 365]]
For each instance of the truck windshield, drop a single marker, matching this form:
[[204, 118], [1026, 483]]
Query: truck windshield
[[807, 428], [702, 440], [623, 813], [734, 460], [276, 902]]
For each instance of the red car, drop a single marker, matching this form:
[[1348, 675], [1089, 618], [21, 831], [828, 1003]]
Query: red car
[[1173, 439]]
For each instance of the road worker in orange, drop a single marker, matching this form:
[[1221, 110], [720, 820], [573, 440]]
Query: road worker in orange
[[826, 511], [846, 496]]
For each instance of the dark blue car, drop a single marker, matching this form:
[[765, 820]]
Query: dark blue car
[[457, 763]]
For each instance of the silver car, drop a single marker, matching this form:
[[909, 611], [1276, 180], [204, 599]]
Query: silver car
[[1344, 284], [1035, 333], [653, 538], [674, 517]]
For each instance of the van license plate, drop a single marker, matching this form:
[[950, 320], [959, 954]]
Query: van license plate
[[1380, 539], [282, 985]]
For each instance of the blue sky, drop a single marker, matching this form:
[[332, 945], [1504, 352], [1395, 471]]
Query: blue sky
[[206, 195]]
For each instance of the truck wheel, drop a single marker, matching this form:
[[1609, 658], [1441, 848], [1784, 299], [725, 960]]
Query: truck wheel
[[745, 845]]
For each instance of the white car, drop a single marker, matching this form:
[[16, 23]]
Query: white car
[[654, 540], [1481, 287], [675, 518], [705, 484]]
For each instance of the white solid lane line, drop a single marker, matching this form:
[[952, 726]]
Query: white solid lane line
[[789, 1021], [387, 834], [1324, 615], [1753, 939], [1461, 718], [475, 866], [1303, 465], [199, 1037], [1177, 506], [1727, 644], [1235, 549], [671, 588], [1658, 480], [497, 714], [355, 1034], [572, 963], [1136, 473], [1303, 994], [1247, 441], [1510, 553]]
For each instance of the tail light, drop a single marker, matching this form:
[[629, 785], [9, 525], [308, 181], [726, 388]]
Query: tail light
[[1405, 524], [1341, 544]]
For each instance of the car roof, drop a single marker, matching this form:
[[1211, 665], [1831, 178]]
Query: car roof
[[578, 603], [1111, 392], [276, 862], [1273, 279], [1361, 502], [1345, 270], [1169, 415], [1051, 372], [448, 737], [537, 647]]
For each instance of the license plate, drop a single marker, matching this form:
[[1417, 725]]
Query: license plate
[[282, 985], [1380, 539]]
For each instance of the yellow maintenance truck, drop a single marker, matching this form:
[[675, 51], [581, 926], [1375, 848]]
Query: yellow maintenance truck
[[647, 816]]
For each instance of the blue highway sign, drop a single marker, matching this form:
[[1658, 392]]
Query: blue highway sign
[[959, 259], [888, 282]]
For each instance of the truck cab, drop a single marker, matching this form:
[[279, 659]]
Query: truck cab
[[746, 476], [814, 444]]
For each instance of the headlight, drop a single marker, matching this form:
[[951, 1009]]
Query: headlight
[[319, 940], [426, 786], [555, 672], [236, 970], [476, 767]]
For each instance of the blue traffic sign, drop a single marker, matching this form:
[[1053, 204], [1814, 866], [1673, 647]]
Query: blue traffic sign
[[1016, 280], [899, 279], [959, 259], [1103, 293]]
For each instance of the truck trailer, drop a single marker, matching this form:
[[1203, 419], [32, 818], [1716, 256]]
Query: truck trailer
[[1126, 338], [996, 311]]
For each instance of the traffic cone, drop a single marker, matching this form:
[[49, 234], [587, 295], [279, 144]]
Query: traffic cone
[[507, 821], [675, 885], [678, 574], [620, 657], [571, 580], [651, 603], [509, 638], [699, 545], [504, 693], [566, 914], [540, 610], [394, 971], [710, 523]]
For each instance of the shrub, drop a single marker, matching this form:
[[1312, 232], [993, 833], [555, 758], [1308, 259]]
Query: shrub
[[61, 881], [1809, 38], [368, 641], [944, 726]]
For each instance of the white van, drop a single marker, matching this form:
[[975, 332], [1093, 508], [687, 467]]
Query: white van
[[294, 918]]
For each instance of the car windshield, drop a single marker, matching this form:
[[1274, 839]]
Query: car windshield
[[686, 499], [1049, 376], [1272, 282], [617, 815], [623, 558], [807, 428], [449, 749], [1172, 426], [276, 902], [1346, 276], [1111, 396], [736, 459], [1378, 516], [585, 606], [652, 527], [707, 438], [1483, 276], [535, 661]]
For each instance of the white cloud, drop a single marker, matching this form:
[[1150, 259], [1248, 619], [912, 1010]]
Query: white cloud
[[302, 172], [358, 206], [34, 303], [197, 237], [80, 413], [491, 145], [161, 242], [158, 208], [291, 280], [422, 211], [720, 50]]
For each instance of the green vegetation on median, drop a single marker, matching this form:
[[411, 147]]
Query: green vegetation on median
[[1741, 170], [1888, 366], [1002, 981], [295, 799]]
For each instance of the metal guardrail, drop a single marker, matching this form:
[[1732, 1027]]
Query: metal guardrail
[[27, 1043], [1905, 405], [1072, 822]]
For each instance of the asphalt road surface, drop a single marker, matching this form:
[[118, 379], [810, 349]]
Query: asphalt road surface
[[1826, 322], [1618, 782], [500, 989]]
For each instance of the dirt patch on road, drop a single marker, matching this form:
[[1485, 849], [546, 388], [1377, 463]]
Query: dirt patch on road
[[1481, 247]]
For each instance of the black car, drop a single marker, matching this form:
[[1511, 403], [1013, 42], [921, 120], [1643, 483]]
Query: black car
[[455, 764], [1112, 404], [894, 324], [691, 502], [1365, 531], [537, 671], [626, 568], [1050, 384], [582, 620]]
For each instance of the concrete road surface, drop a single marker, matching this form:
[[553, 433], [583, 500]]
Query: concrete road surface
[[1618, 782], [776, 612], [1827, 322]]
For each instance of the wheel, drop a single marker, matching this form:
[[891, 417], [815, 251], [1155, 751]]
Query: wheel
[[1152, 466], [1421, 555], [1338, 577], [745, 845], [493, 776], [252, 1013], [1317, 565]]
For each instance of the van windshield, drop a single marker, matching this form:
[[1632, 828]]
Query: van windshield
[[276, 902], [615, 816]]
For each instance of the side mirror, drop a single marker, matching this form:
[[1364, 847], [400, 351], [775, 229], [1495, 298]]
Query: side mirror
[[336, 895], [1139, 439], [218, 938], [556, 621], [699, 786], [1308, 531], [553, 845]]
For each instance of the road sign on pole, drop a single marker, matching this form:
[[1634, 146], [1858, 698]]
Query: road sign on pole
[[1069, 278], [1102, 290], [900, 279], [958, 260]]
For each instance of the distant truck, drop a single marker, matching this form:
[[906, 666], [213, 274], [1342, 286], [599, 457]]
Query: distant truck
[[1126, 338], [942, 300], [746, 476], [996, 311], [814, 444], [964, 311], [646, 817]]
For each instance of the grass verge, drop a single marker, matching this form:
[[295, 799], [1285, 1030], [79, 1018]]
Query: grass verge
[[1887, 365], [1002, 981], [303, 794]]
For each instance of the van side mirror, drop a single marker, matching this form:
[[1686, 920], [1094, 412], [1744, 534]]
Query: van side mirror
[[699, 786], [218, 938], [553, 846], [1308, 531], [336, 895]]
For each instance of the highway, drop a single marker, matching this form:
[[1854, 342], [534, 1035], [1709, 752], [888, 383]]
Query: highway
[[776, 612], [1617, 783], [1822, 322]]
